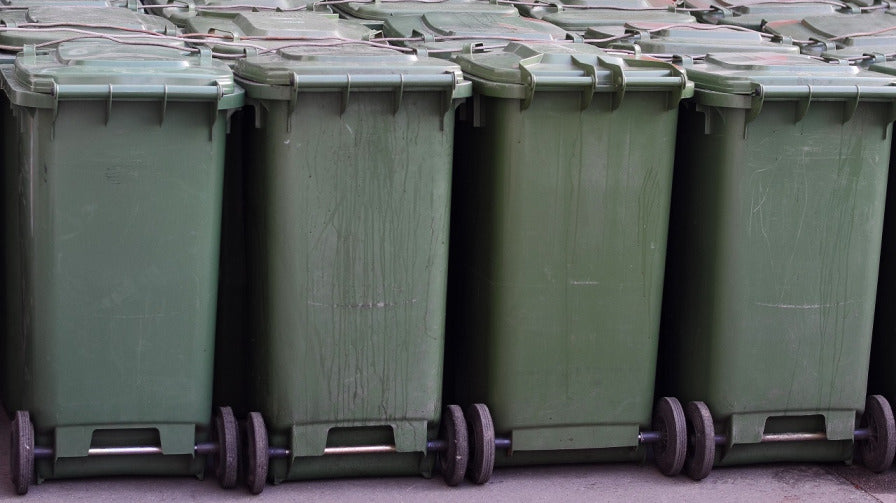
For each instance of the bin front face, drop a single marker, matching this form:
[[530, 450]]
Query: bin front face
[[566, 245], [696, 40], [348, 209], [777, 242], [491, 30], [310, 25], [118, 245]]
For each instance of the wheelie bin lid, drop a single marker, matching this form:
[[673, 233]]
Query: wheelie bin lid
[[359, 67], [579, 21], [776, 76], [522, 68], [24, 4], [444, 33], [74, 21], [180, 11], [754, 13], [617, 8], [105, 70], [261, 28], [840, 35], [380, 10], [686, 40]]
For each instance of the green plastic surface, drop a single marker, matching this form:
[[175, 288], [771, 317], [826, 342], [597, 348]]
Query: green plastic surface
[[559, 246], [72, 21], [348, 197], [444, 33], [110, 323], [786, 76], [182, 11], [776, 230], [580, 20], [382, 10], [253, 27], [754, 13], [841, 36], [696, 40], [881, 377], [605, 7]]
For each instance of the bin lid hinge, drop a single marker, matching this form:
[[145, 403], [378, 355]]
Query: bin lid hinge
[[850, 106], [588, 92], [756, 101], [164, 105], [447, 101], [618, 80], [108, 106], [345, 94], [398, 94], [528, 79], [213, 108], [293, 98], [802, 105]]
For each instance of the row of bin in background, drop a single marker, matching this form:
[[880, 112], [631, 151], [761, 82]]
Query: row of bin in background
[[330, 200]]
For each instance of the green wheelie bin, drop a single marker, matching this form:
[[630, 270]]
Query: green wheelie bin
[[558, 255], [115, 162], [348, 211], [684, 40], [777, 212]]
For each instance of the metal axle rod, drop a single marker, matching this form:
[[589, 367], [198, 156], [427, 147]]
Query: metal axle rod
[[203, 448]]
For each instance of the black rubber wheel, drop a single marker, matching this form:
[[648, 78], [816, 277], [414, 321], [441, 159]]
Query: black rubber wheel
[[482, 443], [256, 453], [21, 452], [701, 451], [226, 460], [453, 460], [878, 450], [670, 450]]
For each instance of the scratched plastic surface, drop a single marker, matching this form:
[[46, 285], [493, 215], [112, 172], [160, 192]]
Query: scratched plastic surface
[[348, 233], [114, 248], [558, 247], [776, 229]]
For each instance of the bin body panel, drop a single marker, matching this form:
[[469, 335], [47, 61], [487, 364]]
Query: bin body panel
[[777, 233], [568, 289], [348, 252], [561, 258], [353, 240]]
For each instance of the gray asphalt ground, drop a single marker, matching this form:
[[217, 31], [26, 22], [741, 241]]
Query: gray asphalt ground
[[592, 483]]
